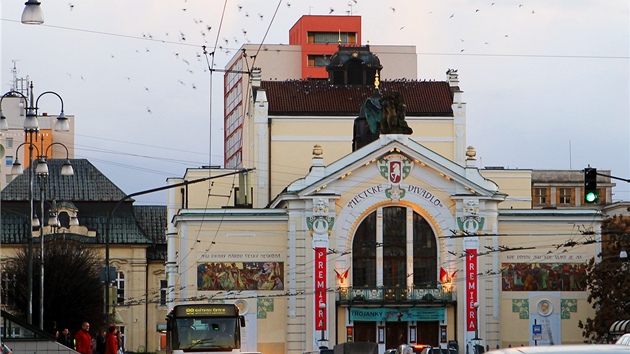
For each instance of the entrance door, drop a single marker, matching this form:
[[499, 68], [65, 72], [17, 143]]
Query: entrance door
[[365, 331], [395, 334], [428, 333]]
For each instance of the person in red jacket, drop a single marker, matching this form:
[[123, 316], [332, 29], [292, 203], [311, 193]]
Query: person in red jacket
[[84, 339], [111, 343]]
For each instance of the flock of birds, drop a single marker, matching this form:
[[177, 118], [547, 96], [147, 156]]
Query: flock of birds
[[206, 35]]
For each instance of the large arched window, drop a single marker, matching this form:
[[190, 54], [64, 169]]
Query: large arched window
[[384, 251], [364, 253]]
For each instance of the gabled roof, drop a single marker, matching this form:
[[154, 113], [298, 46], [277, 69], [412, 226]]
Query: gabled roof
[[357, 159], [319, 97], [94, 196], [87, 184]]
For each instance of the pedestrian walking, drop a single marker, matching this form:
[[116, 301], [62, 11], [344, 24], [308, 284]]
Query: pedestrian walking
[[121, 342], [111, 343], [84, 339], [101, 338], [65, 338]]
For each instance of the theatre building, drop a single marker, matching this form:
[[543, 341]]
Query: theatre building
[[336, 228]]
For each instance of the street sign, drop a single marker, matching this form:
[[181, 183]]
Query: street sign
[[537, 329], [537, 337], [112, 274]]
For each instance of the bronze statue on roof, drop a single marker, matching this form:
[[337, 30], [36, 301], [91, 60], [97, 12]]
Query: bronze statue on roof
[[388, 112]]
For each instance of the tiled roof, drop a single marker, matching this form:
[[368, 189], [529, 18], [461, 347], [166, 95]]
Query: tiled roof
[[318, 97], [87, 184], [152, 219], [94, 196]]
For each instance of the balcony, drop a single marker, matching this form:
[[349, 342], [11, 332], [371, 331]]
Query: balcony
[[395, 296]]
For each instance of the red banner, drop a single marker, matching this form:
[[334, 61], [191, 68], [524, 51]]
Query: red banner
[[320, 288], [471, 289]]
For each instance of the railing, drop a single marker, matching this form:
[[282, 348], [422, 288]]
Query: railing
[[395, 295]]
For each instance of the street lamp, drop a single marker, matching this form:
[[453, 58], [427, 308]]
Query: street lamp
[[31, 130], [42, 176], [322, 307], [476, 340], [33, 14]]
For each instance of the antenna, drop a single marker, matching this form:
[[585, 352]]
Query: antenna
[[18, 84]]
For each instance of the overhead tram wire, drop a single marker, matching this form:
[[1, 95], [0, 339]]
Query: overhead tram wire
[[210, 69], [285, 50], [266, 32]]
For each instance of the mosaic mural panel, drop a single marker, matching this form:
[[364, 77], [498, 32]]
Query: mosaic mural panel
[[543, 276]]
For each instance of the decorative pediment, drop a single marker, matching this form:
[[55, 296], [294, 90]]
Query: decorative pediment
[[395, 166]]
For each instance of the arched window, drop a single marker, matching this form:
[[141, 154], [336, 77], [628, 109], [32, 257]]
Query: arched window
[[400, 237], [364, 253]]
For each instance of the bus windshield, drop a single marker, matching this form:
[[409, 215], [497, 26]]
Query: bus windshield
[[206, 333]]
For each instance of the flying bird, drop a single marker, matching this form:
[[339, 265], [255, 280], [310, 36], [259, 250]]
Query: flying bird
[[393, 9], [240, 7], [331, 10], [71, 5], [452, 16]]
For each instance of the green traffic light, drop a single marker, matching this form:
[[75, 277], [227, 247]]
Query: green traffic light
[[590, 197]]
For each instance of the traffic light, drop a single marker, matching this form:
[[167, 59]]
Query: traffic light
[[591, 193]]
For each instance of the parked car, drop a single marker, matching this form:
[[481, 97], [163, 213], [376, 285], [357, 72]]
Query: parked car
[[390, 351], [624, 340], [565, 349], [411, 348], [437, 350]]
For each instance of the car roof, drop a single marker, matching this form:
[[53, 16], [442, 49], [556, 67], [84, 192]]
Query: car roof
[[562, 349]]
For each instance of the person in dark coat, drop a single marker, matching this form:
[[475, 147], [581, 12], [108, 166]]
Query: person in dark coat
[[65, 338], [100, 342]]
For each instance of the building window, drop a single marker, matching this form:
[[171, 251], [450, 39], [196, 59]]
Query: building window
[[332, 37], [395, 238], [9, 161], [9, 143], [120, 287], [564, 196], [121, 329], [364, 253], [163, 289], [540, 196], [318, 61]]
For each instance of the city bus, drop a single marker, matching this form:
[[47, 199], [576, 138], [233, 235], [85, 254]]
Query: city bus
[[204, 328]]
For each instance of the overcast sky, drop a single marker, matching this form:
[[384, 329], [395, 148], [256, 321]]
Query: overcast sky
[[546, 82]]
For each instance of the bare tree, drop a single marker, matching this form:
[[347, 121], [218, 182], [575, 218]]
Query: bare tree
[[72, 289]]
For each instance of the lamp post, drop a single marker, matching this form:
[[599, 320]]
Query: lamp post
[[31, 130], [322, 307], [476, 340], [42, 176]]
